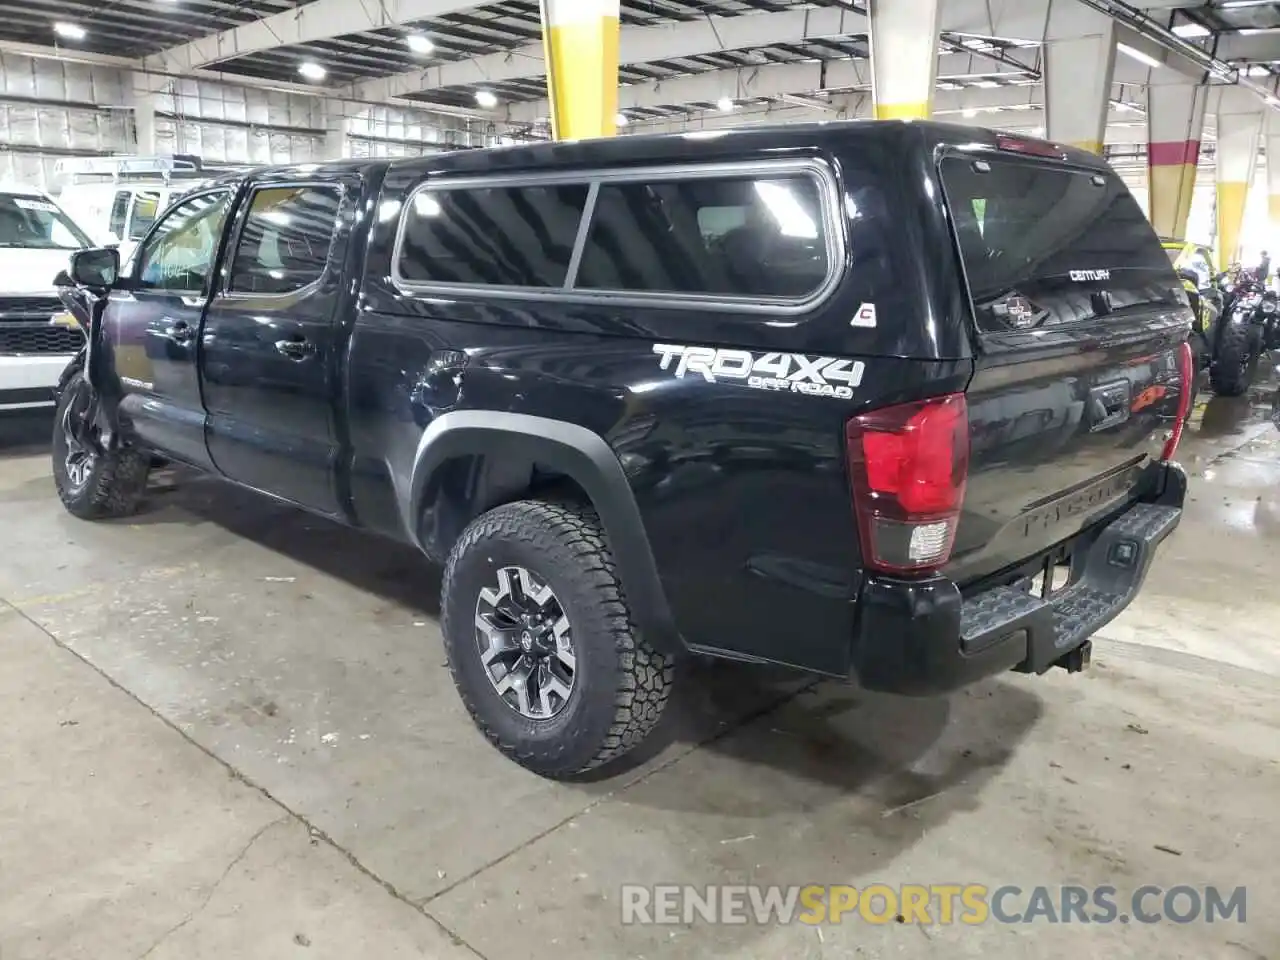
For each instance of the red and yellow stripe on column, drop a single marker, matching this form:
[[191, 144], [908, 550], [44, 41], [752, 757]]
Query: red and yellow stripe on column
[[1171, 167], [580, 41]]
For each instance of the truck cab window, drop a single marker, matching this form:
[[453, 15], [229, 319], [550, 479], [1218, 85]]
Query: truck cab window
[[119, 212], [145, 210], [180, 254], [285, 243]]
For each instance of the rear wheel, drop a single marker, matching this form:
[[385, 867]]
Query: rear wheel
[[541, 642], [93, 483], [1236, 360]]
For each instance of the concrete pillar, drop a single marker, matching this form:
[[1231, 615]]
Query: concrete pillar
[[1273, 173], [1238, 139], [1175, 122], [580, 42], [336, 141], [1078, 73], [904, 58], [143, 101]]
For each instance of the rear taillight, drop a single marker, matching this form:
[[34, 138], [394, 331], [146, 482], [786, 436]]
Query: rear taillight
[[907, 469], [1187, 371]]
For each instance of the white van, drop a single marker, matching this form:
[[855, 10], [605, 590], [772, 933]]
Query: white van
[[37, 239], [118, 214], [117, 199]]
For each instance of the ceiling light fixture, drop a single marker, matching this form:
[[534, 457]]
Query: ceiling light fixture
[[968, 113], [419, 43], [487, 99], [1140, 55], [725, 105], [621, 120], [312, 70], [70, 31], [1189, 31]]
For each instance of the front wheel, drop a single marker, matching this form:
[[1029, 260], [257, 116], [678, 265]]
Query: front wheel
[[541, 643], [1235, 361], [93, 483]]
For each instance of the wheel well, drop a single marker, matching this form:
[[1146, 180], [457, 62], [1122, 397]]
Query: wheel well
[[464, 487]]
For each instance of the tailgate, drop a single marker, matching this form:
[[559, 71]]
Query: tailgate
[[1080, 321]]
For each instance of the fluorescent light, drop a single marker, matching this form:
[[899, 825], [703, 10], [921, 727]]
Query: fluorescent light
[[311, 70], [986, 84], [1139, 55], [969, 113], [948, 85], [71, 31], [1190, 30], [419, 43], [1257, 70], [1037, 131], [725, 105], [487, 99], [621, 119], [1237, 4]]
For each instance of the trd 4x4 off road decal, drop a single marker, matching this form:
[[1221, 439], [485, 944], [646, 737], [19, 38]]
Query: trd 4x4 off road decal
[[790, 372]]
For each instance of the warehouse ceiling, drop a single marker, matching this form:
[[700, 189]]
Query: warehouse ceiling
[[353, 64]]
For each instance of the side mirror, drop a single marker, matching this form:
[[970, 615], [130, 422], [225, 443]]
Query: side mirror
[[96, 268]]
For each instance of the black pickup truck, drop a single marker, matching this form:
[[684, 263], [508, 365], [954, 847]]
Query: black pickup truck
[[893, 402]]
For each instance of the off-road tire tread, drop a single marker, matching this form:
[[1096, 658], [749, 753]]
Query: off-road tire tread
[[117, 484], [1228, 379], [645, 676]]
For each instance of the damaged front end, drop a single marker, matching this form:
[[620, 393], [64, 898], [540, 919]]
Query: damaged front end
[[97, 413]]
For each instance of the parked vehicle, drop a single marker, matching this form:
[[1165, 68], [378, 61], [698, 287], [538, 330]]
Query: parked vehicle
[[844, 397], [37, 338], [1239, 335]]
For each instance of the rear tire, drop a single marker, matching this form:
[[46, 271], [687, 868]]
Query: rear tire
[[93, 484], [541, 642], [1236, 361]]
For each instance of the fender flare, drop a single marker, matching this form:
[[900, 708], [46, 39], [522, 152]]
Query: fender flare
[[589, 461]]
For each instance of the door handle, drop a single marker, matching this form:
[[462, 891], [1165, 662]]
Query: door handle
[[180, 332], [296, 349]]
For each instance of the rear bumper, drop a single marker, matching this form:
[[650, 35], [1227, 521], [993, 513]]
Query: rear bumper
[[28, 380], [922, 637]]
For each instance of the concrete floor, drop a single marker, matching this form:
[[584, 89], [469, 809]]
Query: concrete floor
[[228, 732]]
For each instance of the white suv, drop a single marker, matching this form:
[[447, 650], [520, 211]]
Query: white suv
[[36, 241]]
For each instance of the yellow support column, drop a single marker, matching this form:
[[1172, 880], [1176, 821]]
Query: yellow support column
[[904, 58], [1273, 179], [1175, 122], [1077, 83], [1237, 158], [580, 40]]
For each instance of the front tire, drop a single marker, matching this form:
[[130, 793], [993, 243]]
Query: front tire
[[541, 643], [92, 483], [1235, 362]]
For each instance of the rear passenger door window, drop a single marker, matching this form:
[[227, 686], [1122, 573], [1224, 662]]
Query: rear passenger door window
[[742, 237], [520, 236], [285, 241]]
